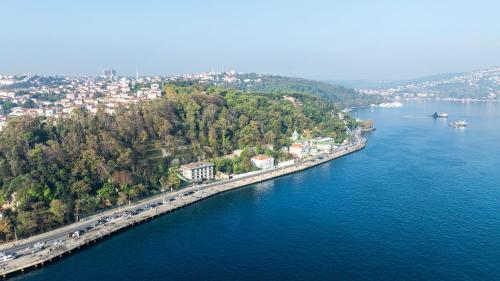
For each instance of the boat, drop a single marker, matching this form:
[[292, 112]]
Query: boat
[[459, 123], [7, 257], [440, 115], [390, 105]]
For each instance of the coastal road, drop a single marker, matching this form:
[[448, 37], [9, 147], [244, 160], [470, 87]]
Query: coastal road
[[62, 233], [184, 196]]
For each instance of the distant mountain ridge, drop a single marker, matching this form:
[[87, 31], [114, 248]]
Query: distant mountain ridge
[[478, 84], [383, 84]]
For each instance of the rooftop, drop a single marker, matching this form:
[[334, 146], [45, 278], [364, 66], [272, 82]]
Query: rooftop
[[195, 165], [261, 157]]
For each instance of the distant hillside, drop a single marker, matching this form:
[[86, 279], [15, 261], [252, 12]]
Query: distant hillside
[[341, 96], [384, 84], [366, 84], [481, 84], [434, 77]]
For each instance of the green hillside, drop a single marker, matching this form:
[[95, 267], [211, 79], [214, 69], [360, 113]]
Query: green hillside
[[53, 171], [341, 96]]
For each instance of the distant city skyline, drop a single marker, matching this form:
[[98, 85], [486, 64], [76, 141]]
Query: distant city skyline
[[323, 40]]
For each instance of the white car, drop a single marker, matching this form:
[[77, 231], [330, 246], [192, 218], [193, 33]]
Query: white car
[[39, 245], [7, 257], [57, 242]]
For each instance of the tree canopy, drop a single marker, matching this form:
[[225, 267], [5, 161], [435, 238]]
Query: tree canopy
[[56, 170]]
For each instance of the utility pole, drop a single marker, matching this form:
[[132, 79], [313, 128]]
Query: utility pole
[[15, 232]]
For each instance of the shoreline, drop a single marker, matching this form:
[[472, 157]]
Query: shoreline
[[67, 245]]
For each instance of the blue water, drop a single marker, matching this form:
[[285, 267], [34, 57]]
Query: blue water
[[421, 202]]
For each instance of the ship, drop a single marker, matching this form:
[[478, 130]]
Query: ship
[[440, 115], [459, 123]]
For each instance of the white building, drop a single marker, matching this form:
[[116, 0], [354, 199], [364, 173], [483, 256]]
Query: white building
[[263, 162], [286, 163], [50, 112], [323, 144], [299, 150], [198, 171], [313, 150], [295, 136]]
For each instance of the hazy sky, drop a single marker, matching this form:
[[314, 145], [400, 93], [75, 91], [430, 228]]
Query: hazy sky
[[315, 39]]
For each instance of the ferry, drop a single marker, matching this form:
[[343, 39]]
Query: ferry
[[459, 123], [440, 115]]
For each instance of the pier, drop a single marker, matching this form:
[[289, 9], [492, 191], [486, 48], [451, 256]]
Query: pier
[[58, 243]]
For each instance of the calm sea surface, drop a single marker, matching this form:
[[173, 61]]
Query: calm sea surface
[[421, 202]]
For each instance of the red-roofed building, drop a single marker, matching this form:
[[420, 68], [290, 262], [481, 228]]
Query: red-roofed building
[[263, 162], [300, 150]]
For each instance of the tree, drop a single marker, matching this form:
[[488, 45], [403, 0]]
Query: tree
[[7, 106], [29, 103], [122, 198], [80, 188], [59, 210], [134, 192], [88, 204], [27, 223], [106, 194], [123, 178], [173, 180], [6, 228]]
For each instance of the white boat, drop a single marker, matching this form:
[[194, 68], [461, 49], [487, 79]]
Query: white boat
[[440, 115], [459, 123], [390, 105]]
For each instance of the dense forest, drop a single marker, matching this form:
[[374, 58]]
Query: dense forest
[[55, 171], [341, 96]]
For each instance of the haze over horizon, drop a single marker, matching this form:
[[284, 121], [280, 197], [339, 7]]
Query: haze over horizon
[[321, 40]]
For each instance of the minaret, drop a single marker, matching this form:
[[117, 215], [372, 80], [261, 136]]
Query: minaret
[[136, 75]]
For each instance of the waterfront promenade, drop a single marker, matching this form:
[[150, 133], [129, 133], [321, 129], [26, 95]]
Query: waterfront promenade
[[60, 242]]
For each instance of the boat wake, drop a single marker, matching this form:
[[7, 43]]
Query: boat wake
[[417, 117]]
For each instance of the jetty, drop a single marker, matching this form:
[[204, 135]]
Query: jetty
[[40, 250]]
